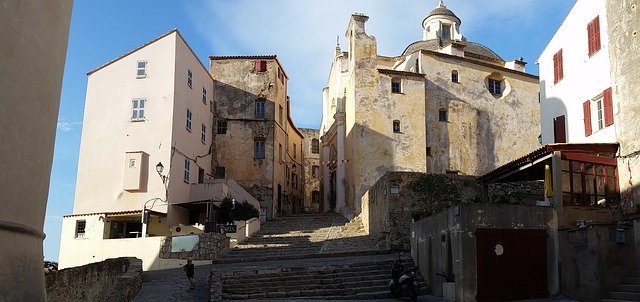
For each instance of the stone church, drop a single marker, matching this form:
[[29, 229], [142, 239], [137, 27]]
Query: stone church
[[445, 105]]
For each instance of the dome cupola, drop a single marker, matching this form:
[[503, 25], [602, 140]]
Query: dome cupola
[[441, 23]]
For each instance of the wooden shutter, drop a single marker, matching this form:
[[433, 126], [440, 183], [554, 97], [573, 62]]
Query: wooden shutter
[[257, 67], [557, 67], [586, 109], [593, 35], [559, 133], [608, 108]]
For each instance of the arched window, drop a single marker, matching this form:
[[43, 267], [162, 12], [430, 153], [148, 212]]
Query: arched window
[[396, 126], [454, 76]]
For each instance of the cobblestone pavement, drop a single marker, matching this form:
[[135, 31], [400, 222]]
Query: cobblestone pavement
[[173, 285]]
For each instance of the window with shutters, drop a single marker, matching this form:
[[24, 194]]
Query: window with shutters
[[559, 132], [141, 71], [258, 148], [315, 146], [558, 73], [598, 112], [593, 35], [261, 65], [259, 109], [137, 110]]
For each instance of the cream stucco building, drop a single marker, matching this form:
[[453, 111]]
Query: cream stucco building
[[445, 105], [146, 151], [256, 141]]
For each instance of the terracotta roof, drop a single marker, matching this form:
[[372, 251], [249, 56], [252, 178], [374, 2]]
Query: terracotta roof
[[106, 213], [545, 150], [401, 73], [468, 47]]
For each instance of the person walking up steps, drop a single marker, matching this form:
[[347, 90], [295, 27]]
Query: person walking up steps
[[190, 270]]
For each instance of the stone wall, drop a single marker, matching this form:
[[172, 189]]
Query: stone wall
[[592, 262], [210, 247], [526, 192], [399, 198], [118, 279]]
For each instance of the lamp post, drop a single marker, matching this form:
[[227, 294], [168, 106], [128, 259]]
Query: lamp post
[[165, 178], [145, 217]]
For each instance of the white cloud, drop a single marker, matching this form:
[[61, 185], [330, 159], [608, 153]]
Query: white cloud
[[303, 33], [66, 126]]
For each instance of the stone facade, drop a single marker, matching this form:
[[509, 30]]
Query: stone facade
[[118, 279], [444, 105], [312, 177], [256, 141], [210, 247]]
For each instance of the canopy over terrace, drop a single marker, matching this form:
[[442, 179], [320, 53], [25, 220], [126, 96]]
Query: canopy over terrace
[[584, 177]]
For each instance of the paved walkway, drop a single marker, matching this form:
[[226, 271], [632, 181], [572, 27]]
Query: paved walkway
[[173, 285]]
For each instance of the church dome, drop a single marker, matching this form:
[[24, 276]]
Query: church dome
[[442, 10]]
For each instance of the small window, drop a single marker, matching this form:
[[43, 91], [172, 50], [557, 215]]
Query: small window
[[315, 171], [315, 196], [294, 151], [599, 113], [80, 228], [559, 130], [203, 134], [204, 95], [495, 86], [396, 126], [315, 146], [189, 78], [260, 109], [446, 32], [189, 116], [187, 167], [429, 151], [141, 70], [280, 115], [454, 76], [222, 127], [261, 66], [220, 173], [137, 110], [593, 35], [258, 148], [200, 175], [280, 152], [442, 115], [211, 106], [558, 73], [396, 86]]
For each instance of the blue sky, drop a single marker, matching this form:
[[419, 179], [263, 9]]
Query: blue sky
[[301, 33]]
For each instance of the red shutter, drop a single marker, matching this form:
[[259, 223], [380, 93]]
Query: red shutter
[[257, 67], [596, 34], [557, 67], [608, 108], [560, 72], [559, 133], [586, 109]]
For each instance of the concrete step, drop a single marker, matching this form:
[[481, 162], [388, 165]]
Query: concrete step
[[624, 296]]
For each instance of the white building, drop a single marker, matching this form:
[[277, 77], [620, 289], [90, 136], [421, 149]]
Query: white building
[[149, 108], [576, 103]]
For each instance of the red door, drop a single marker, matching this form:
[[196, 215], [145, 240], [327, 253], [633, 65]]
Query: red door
[[512, 264]]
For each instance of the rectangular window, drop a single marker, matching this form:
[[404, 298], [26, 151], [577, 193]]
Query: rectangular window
[[222, 127], [80, 228], [599, 114], [280, 152], [495, 86], [258, 148], [442, 115], [203, 134], [396, 126], [446, 32], [211, 106], [315, 171], [187, 167], [587, 183], [200, 175], [189, 116], [396, 86], [280, 115], [294, 151], [204, 95], [220, 173], [558, 73], [559, 133], [261, 66], [189, 78], [454, 76], [260, 109], [141, 71], [593, 35], [137, 109], [315, 146], [315, 196]]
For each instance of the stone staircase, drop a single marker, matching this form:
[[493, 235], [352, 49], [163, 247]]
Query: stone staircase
[[312, 256], [354, 281], [628, 290]]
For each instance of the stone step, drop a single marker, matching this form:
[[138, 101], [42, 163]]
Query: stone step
[[630, 280], [624, 296], [627, 288], [357, 293], [259, 288], [306, 278]]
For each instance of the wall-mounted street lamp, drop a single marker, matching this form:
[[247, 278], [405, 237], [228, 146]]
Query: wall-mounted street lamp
[[165, 178]]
